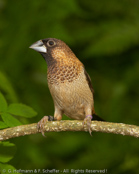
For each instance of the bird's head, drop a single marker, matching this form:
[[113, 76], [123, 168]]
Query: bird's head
[[62, 62], [53, 50]]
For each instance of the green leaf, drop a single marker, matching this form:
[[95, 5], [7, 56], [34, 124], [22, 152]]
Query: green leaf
[[6, 169], [21, 110], [9, 120], [7, 151], [2, 125], [3, 103]]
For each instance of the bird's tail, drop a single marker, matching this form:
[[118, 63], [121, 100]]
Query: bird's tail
[[97, 118]]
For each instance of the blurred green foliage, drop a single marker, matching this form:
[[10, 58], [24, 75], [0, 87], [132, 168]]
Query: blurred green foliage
[[105, 37]]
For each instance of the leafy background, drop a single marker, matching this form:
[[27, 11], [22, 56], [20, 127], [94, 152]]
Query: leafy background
[[105, 36]]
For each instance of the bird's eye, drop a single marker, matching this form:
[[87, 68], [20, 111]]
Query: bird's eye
[[51, 43]]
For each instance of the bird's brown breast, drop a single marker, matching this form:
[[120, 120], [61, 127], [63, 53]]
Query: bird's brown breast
[[62, 73], [69, 88]]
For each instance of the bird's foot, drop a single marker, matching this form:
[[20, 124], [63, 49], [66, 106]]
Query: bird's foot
[[41, 123], [87, 122]]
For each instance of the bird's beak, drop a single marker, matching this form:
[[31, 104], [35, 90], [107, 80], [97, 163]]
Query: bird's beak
[[39, 47]]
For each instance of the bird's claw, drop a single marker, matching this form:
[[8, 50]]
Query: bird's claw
[[42, 122], [87, 122]]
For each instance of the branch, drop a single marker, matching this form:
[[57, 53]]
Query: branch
[[70, 125]]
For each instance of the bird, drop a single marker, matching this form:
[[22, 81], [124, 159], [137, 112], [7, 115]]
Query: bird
[[69, 83]]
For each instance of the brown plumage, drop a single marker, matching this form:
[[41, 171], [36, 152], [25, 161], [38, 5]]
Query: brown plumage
[[69, 83]]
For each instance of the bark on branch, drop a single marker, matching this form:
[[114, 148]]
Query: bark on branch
[[70, 125]]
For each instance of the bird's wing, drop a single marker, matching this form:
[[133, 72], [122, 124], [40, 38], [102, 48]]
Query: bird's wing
[[89, 81]]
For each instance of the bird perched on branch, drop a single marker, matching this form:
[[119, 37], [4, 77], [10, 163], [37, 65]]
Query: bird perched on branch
[[68, 81]]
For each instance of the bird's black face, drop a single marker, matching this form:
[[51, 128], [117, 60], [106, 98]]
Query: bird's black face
[[45, 46]]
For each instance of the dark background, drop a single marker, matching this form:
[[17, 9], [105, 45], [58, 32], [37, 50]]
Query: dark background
[[105, 37]]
